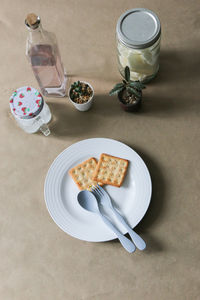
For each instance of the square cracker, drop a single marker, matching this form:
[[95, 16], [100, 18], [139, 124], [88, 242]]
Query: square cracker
[[82, 174], [110, 170]]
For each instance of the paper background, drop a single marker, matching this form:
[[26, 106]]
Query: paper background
[[38, 260]]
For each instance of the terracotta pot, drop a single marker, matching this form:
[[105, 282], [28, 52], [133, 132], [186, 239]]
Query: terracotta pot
[[130, 107]]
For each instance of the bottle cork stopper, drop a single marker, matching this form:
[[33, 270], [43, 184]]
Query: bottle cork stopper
[[31, 19]]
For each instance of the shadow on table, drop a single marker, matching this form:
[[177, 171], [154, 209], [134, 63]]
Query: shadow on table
[[67, 121], [107, 106], [154, 105], [165, 106], [178, 70], [178, 67], [157, 205], [158, 201]]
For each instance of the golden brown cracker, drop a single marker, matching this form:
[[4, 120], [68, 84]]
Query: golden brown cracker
[[110, 170], [82, 174]]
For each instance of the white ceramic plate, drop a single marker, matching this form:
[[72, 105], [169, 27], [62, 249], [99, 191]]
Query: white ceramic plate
[[132, 198]]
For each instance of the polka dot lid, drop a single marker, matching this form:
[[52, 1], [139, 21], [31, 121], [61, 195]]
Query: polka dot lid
[[26, 102]]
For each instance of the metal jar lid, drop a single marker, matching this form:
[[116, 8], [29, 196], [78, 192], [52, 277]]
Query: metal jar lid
[[26, 102], [138, 28]]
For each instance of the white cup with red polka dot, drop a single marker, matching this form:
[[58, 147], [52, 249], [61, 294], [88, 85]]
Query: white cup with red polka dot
[[30, 110]]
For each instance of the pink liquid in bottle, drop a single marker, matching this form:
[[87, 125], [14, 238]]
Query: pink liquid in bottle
[[48, 69]]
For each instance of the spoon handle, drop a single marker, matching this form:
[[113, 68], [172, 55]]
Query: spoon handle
[[126, 243], [137, 240]]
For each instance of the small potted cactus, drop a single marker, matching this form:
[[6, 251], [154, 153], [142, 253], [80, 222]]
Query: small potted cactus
[[81, 95], [129, 92]]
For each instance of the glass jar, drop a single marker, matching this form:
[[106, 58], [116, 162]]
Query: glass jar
[[30, 110], [138, 43]]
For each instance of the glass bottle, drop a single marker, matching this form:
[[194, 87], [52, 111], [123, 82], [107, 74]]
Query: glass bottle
[[43, 54], [138, 43]]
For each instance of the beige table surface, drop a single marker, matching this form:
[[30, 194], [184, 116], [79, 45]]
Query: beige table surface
[[37, 259]]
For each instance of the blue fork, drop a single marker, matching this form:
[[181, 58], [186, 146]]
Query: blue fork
[[104, 200]]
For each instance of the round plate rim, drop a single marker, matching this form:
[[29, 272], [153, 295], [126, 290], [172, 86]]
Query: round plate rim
[[74, 145]]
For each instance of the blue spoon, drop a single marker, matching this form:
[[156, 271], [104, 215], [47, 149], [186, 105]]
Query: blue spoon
[[89, 202]]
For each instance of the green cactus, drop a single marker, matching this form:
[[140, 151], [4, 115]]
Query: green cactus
[[80, 91]]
